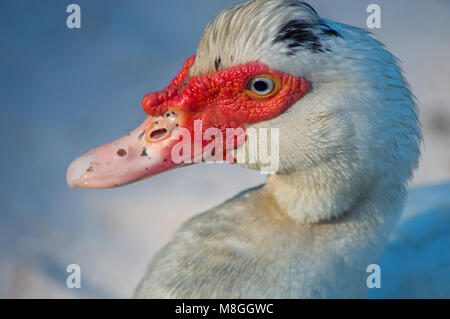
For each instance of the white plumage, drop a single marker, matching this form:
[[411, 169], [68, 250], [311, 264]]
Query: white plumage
[[347, 150]]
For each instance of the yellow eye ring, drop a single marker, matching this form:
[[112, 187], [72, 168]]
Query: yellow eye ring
[[261, 86]]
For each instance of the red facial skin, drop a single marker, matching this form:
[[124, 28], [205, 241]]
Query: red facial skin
[[221, 100]]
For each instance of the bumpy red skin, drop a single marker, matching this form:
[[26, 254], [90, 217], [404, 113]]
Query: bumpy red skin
[[221, 100]]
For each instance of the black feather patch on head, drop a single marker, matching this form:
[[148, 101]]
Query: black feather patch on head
[[299, 34], [305, 34]]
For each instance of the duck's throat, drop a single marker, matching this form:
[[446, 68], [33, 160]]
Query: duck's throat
[[310, 197]]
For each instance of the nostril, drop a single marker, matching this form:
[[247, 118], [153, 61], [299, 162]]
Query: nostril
[[158, 134], [122, 152]]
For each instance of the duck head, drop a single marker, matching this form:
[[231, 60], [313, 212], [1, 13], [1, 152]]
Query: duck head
[[195, 118], [344, 115]]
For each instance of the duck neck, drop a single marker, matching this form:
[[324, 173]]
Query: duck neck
[[312, 197], [337, 221]]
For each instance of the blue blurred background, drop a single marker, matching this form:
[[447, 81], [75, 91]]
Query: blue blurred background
[[64, 91]]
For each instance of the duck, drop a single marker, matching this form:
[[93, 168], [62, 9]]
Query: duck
[[344, 138]]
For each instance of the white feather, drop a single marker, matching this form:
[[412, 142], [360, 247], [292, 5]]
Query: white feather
[[347, 150]]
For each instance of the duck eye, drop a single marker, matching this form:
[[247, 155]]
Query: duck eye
[[261, 86]]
